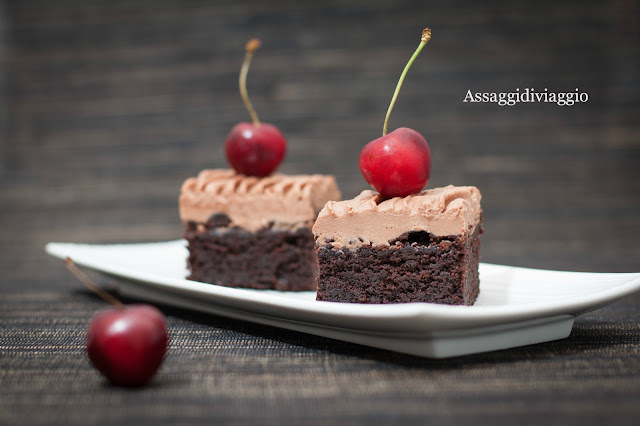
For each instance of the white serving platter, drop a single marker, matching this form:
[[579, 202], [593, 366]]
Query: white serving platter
[[516, 306]]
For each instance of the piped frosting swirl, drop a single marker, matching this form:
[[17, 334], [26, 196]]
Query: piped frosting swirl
[[367, 219], [254, 203]]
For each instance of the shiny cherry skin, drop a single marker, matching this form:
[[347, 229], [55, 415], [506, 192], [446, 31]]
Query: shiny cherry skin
[[397, 164], [255, 150], [128, 344]]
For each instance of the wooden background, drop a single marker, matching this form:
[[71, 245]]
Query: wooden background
[[107, 106]]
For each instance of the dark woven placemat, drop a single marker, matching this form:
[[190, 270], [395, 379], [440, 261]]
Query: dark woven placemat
[[220, 370]]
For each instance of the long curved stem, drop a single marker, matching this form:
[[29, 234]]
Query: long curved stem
[[426, 36], [252, 46], [91, 285]]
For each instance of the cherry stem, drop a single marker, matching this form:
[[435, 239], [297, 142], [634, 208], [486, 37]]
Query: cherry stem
[[252, 46], [92, 285], [426, 36]]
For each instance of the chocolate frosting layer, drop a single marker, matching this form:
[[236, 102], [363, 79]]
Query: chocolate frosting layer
[[369, 220], [280, 201]]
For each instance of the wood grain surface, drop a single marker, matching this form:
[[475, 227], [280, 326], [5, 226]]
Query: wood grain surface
[[107, 106]]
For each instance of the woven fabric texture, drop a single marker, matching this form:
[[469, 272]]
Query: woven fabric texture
[[222, 371]]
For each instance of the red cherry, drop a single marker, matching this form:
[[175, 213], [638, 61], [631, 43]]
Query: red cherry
[[255, 150], [397, 164], [128, 344]]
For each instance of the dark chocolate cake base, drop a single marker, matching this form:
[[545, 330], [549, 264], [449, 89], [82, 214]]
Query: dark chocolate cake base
[[266, 259], [417, 267]]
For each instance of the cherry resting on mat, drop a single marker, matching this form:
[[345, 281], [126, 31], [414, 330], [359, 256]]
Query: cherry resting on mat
[[398, 163], [126, 343], [254, 149]]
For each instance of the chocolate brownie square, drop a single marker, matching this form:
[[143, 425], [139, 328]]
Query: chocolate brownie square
[[421, 248], [251, 232]]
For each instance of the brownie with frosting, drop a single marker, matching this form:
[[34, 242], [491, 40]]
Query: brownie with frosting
[[245, 231], [421, 248]]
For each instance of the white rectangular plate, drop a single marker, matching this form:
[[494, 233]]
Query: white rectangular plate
[[516, 306]]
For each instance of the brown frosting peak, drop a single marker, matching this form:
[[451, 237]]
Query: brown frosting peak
[[367, 219], [252, 202]]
